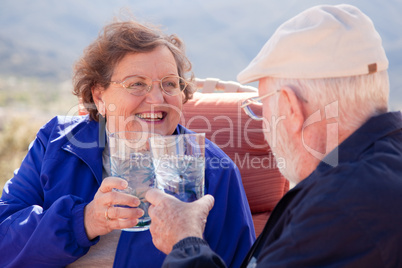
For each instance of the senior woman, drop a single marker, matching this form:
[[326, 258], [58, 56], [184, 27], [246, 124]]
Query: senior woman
[[52, 212]]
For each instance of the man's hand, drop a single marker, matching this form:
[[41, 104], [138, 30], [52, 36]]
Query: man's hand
[[173, 220]]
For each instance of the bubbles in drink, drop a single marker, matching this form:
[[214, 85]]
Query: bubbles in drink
[[181, 176], [138, 171]]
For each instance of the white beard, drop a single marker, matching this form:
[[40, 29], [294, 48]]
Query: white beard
[[286, 149]]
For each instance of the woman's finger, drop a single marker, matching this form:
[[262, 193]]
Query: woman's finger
[[110, 183], [119, 198], [116, 212]]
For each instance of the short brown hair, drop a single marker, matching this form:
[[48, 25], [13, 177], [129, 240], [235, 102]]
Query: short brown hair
[[117, 39]]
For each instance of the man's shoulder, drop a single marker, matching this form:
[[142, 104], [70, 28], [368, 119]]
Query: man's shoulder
[[354, 185]]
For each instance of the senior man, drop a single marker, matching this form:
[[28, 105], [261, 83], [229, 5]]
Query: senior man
[[324, 88]]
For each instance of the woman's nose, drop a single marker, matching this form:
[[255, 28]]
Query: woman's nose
[[155, 95]]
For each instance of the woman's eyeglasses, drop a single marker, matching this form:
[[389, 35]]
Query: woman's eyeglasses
[[140, 85]]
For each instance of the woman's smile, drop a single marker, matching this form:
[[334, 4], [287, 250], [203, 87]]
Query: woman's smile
[[151, 116]]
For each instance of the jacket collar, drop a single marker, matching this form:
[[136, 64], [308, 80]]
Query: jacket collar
[[86, 139]]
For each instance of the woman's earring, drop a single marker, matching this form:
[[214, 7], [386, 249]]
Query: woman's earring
[[102, 129], [102, 108]]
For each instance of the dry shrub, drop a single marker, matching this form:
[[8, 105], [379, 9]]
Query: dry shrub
[[16, 133]]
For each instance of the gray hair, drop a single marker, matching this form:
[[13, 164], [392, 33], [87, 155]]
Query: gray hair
[[359, 97]]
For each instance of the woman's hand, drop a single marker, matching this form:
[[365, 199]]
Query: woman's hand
[[101, 216], [173, 220]]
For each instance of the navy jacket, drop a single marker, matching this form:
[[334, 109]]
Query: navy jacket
[[41, 208], [348, 215]]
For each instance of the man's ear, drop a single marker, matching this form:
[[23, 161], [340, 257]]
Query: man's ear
[[97, 93], [290, 106]]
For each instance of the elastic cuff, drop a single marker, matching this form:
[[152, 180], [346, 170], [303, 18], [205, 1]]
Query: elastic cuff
[[79, 228], [190, 241]]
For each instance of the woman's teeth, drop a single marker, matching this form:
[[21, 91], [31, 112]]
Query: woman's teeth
[[150, 116]]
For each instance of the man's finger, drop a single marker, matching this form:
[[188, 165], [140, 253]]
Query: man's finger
[[155, 196]]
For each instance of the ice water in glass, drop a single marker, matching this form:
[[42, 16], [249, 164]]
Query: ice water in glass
[[181, 176], [179, 162], [130, 159]]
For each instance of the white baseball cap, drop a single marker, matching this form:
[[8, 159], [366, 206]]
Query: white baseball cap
[[322, 41]]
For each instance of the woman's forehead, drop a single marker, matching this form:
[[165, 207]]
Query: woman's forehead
[[156, 62]]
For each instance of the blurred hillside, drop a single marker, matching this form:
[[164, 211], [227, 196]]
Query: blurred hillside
[[43, 38], [40, 41]]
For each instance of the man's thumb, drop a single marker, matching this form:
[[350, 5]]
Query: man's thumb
[[206, 201]]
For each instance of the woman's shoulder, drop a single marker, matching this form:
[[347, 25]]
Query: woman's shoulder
[[67, 121], [60, 126]]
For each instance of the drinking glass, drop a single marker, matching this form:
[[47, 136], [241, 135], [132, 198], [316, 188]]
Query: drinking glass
[[130, 160], [179, 163]]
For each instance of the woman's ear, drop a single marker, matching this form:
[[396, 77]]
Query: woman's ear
[[183, 98], [97, 92], [292, 108]]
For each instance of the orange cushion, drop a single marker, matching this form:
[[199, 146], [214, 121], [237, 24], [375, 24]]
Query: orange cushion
[[220, 117]]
